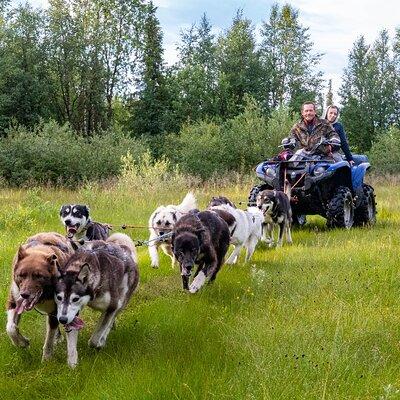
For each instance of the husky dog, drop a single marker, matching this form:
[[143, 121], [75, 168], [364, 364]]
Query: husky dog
[[35, 270], [201, 239], [275, 206], [248, 227], [102, 276], [162, 221], [79, 226]]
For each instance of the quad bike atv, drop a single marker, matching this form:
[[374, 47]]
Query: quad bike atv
[[334, 190]]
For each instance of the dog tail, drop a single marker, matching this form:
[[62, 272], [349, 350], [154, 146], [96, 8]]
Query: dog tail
[[124, 240], [188, 203]]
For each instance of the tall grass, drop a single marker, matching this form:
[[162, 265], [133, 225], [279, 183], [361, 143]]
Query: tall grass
[[316, 320]]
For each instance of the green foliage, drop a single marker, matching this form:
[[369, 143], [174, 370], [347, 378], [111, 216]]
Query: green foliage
[[148, 174], [207, 148], [238, 67], [148, 112], [368, 91], [289, 66], [25, 84], [385, 152], [55, 154]]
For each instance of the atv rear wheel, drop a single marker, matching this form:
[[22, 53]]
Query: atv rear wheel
[[365, 213], [299, 220], [253, 194], [340, 212]]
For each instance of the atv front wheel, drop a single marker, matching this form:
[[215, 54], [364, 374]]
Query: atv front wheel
[[365, 213], [252, 199], [340, 211]]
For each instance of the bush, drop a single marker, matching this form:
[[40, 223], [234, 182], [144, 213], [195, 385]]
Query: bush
[[54, 154], [206, 148], [385, 152]]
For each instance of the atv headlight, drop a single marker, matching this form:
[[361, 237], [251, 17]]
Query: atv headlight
[[270, 172], [318, 171]]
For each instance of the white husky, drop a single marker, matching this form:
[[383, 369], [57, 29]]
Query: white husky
[[162, 221], [248, 230]]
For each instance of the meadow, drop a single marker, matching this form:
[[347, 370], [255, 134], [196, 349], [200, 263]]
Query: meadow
[[316, 320]]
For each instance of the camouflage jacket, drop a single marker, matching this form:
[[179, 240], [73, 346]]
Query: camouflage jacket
[[309, 141]]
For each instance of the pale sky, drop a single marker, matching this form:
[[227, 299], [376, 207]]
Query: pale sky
[[334, 25]]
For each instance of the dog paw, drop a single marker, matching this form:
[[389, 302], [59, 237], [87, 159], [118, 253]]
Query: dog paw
[[72, 363], [193, 288], [97, 343], [153, 265]]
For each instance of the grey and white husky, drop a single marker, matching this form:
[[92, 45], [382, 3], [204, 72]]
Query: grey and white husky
[[102, 275]]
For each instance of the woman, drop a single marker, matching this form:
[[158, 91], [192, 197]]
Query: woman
[[332, 115]]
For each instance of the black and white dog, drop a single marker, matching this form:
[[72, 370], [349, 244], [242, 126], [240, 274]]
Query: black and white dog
[[79, 226], [276, 208], [247, 228]]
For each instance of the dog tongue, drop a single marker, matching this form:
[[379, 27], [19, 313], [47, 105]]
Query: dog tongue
[[76, 324], [21, 305]]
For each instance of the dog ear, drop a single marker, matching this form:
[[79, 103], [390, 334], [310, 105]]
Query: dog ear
[[53, 264], [21, 253], [84, 273], [200, 234], [87, 209]]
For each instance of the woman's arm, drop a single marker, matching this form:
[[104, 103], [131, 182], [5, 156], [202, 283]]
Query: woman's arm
[[343, 141]]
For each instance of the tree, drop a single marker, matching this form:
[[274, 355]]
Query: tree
[[24, 79], [288, 63], [149, 110], [191, 81], [93, 47], [368, 91], [329, 95], [239, 71]]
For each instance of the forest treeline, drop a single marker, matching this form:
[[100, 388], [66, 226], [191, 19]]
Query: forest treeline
[[97, 69]]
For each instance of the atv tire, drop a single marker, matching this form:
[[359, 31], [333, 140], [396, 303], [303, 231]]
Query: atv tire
[[299, 220], [253, 194], [365, 213], [340, 211]]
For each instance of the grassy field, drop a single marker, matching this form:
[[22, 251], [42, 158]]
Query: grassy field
[[317, 320]]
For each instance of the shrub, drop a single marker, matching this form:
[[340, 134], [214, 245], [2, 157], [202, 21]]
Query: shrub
[[54, 154], [385, 152], [207, 148]]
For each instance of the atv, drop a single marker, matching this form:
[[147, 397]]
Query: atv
[[319, 185]]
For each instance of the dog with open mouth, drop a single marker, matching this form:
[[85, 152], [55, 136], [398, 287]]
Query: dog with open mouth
[[79, 226], [34, 275], [102, 275], [200, 239]]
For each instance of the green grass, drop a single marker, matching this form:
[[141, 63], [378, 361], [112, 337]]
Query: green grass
[[317, 320]]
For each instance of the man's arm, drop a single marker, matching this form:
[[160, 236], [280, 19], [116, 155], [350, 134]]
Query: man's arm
[[292, 140]]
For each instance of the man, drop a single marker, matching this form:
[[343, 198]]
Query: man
[[313, 135]]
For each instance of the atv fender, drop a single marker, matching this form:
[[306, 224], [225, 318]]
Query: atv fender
[[357, 175]]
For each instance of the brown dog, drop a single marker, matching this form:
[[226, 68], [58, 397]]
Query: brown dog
[[34, 273]]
